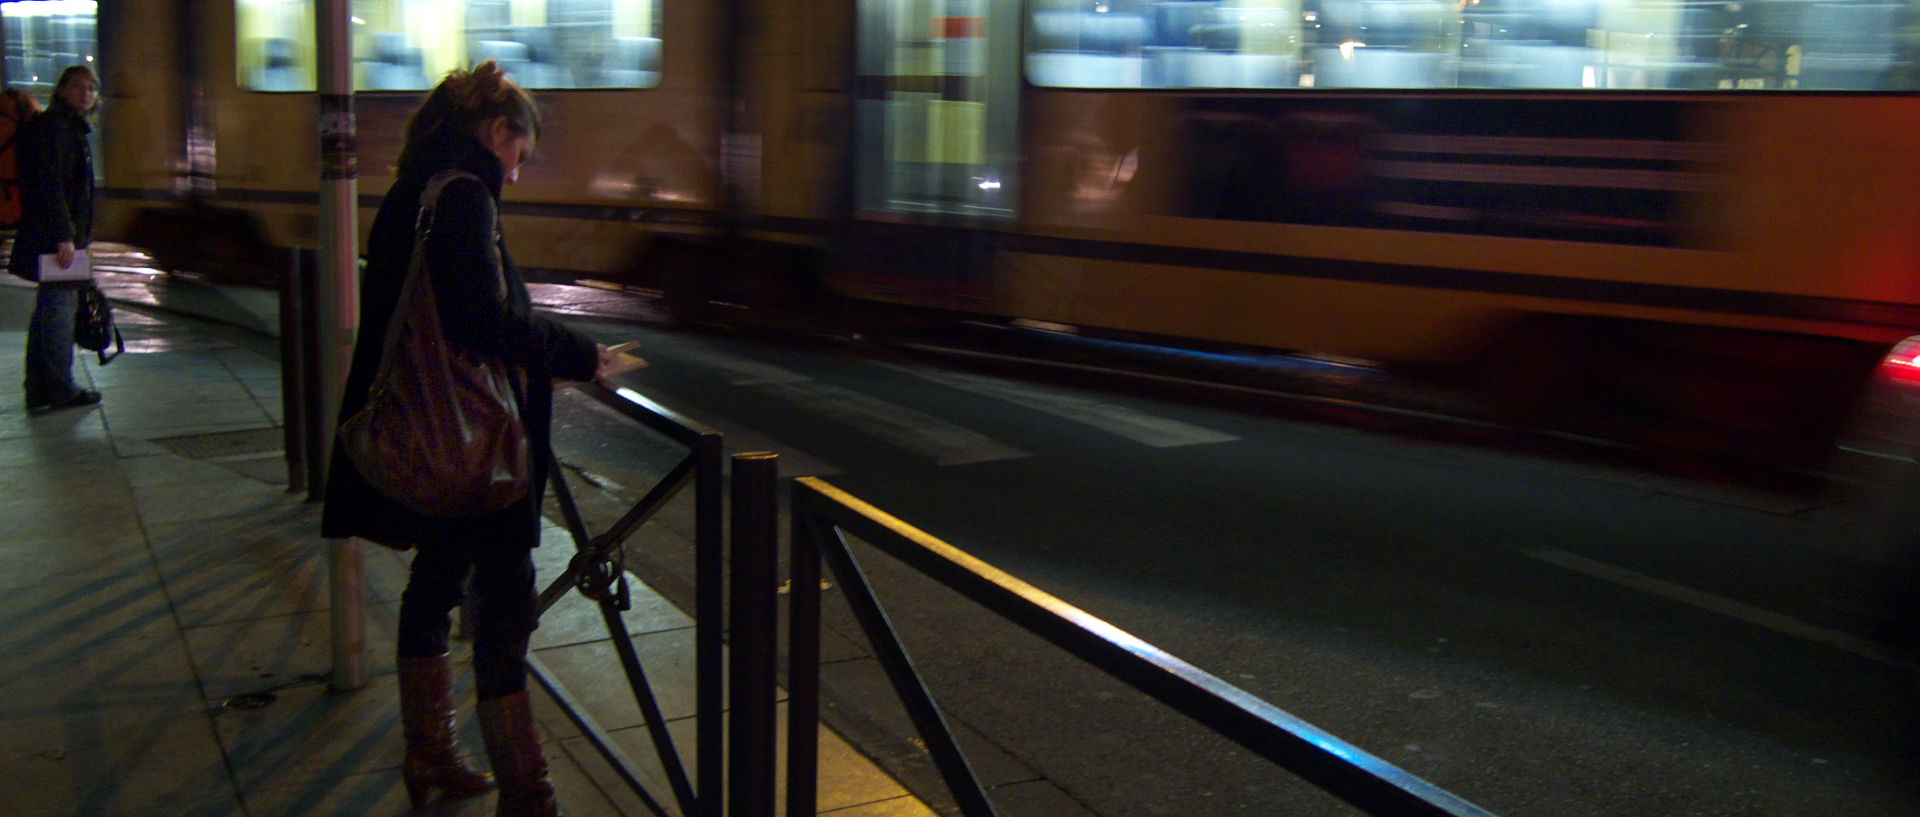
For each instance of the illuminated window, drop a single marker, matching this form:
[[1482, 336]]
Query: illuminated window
[[1814, 45], [45, 37], [407, 45], [937, 107]]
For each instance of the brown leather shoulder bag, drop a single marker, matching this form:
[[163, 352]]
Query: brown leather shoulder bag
[[441, 432]]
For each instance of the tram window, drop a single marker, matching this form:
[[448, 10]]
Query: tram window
[[406, 45], [936, 123], [1757, 45], [45, 37]]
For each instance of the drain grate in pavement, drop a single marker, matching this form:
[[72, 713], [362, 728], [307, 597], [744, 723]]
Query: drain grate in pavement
[[224, 443]]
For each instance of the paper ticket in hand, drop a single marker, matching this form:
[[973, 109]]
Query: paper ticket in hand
[[624, 361]]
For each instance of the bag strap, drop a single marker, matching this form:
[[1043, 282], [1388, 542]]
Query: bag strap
[[430, 199], [416, 261], [415, 279], [120, 347]]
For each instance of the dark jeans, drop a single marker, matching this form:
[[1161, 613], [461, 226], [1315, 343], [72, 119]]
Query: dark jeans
[[506, 608], [49, 362]]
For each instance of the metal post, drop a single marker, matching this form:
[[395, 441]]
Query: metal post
[[339, 200], [803, 665], [313, 397], [293, 375], [751, 739], [339, 272], [710, 608], [348, 608]]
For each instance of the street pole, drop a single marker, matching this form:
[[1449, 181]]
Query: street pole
[[339, 276]]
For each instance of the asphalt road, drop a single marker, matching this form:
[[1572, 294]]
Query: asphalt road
[[1541, 635]]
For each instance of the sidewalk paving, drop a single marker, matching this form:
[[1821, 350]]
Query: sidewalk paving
[[165, 614]]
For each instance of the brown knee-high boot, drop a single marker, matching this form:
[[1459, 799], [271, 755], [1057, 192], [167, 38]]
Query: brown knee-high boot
[[514, 748], [426, 717]]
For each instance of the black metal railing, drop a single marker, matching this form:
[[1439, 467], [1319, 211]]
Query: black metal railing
[[597, 572], [753, 625], [821, 517], [737, 640]]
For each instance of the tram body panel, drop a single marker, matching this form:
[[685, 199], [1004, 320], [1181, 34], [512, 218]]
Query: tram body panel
[[797, 92], [1820, 197], [1389, 323], [1767, 209], [1244, 308], [142, 99]]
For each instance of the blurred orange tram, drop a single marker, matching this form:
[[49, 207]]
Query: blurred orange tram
[[1679, 223]]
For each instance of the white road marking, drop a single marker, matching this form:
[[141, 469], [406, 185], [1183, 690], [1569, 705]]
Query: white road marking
[[793, 461], [937, 439], [738, 370], [1110, 417], [1727, 607]]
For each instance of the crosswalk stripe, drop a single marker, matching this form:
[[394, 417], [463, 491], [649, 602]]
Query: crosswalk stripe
[[924, 434], [1135, 425], [921, 433], [738, 370], [793, 461]]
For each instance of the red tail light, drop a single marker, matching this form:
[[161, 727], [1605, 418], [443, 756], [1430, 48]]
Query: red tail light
[[1903, 363]]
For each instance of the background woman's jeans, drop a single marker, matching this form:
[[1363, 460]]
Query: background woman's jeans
[[49, 361]]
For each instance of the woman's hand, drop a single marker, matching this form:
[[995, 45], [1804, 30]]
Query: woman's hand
[[599, 369], [600, 373], [66, 253]]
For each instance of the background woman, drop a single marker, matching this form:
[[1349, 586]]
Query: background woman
[[478, 123], [56, 169]]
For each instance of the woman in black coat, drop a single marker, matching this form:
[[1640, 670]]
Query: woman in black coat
[[56, 218], [480, 124]]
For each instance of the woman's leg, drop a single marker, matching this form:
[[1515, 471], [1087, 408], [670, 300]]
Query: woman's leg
[[49, 362], [434, 588], [426, 678], [507, 612]]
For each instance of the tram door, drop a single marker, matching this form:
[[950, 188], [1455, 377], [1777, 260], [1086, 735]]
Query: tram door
[[936, 147]]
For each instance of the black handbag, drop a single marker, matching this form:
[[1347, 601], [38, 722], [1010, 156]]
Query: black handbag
[[441, 432], [93, 327]]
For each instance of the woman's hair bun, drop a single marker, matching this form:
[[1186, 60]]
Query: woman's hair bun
[[486, 83], [466, 100]]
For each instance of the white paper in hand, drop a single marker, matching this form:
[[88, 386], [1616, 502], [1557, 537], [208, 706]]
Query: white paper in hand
[[80, 270]]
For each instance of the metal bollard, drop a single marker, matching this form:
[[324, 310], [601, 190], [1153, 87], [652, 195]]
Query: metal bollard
[[348, 613], [803, 664], [313, 392], [293, 371], [710, 610], [751, 740]]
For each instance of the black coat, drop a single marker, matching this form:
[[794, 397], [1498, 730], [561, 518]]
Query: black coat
[[467, 258], [56, 188]]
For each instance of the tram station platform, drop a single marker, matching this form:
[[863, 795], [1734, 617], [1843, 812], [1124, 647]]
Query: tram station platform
[[165, 616]]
